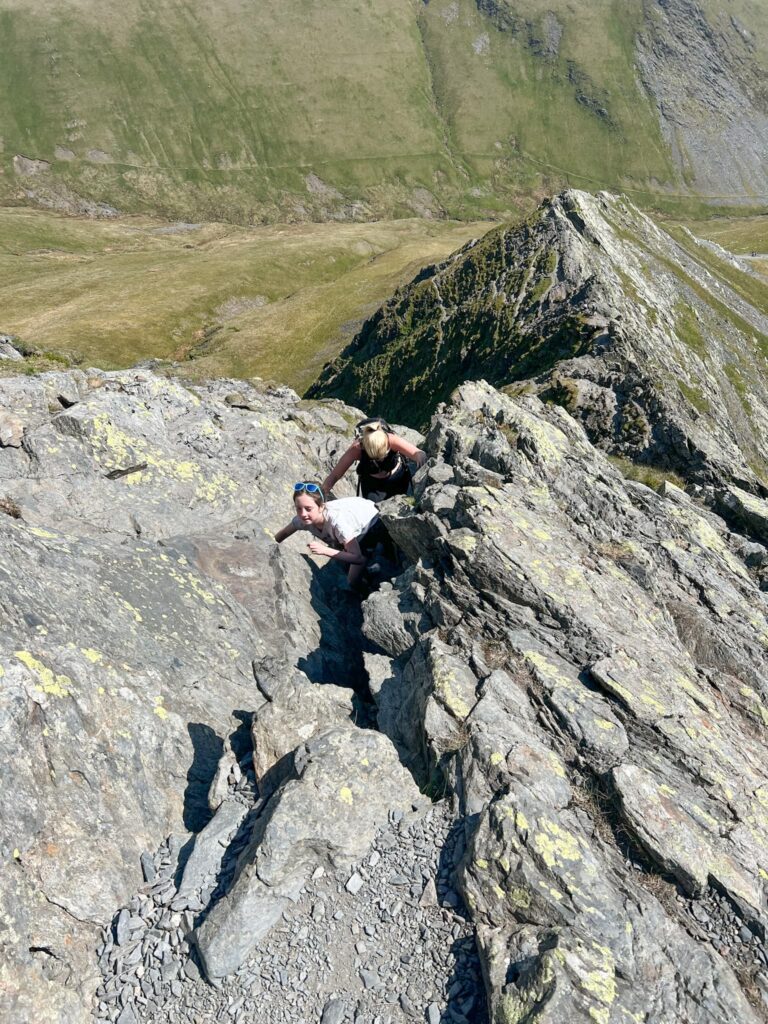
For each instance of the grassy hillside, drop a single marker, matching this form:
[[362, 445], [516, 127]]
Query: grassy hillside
[[274, 301], [313, 110]]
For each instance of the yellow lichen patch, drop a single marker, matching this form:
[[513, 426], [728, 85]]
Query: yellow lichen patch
[[445, 686], [541, 663], [603, 723], [556, 764], [345, 795], [189, 580], [704, 817], [541, 535], [521, 822], [101, 691], [465, 542], [691, 688], [129, 607], [498, 891], [158, 709], [503, 862], [556, 845], [118, 449], [92, 655], [518, 896], [482, 864], [44, 534], [651, 702], [602, 981], [54, 685], [365, 761], [496, 757]]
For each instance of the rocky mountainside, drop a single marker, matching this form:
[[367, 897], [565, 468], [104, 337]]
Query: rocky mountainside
[[273, 112], [589, 304], [221, 770]]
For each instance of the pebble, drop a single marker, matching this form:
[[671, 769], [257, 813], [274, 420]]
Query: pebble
[[334, 1011], [354, 884]]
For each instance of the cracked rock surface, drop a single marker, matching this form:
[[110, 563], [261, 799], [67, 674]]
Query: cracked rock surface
[[587, 674], [222, 765]]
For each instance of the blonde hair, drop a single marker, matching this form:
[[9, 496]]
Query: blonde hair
[[375, 441]]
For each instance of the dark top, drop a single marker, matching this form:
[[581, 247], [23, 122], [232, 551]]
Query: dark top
[[367, 466]]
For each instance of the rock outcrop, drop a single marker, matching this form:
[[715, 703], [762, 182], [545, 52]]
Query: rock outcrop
[[591, 305], [209, 742], [147, 614], [583, 663]]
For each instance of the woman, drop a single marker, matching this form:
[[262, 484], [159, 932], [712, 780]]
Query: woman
[[382, 469], [347, 529]]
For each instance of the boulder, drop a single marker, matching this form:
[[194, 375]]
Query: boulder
[[348, 781]]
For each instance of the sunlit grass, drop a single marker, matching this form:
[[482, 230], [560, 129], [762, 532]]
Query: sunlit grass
[[271, 301]]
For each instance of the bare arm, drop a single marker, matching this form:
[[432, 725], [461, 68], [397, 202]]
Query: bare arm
[[287, 531], [410, 451], [351, 555], [347, 460]]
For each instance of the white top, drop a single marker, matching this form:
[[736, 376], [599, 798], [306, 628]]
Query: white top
[[345, 518]]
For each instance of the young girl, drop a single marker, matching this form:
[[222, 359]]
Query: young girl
[[381, 456], [347, 529]]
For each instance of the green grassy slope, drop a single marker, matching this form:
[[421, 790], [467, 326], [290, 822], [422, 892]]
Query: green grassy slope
[[269, 111], [273, 301]]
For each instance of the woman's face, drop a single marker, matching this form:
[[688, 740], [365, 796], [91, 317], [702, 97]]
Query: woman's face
[[308, 511]]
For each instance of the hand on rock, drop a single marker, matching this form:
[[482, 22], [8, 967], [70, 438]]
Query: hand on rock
[[319, 549]]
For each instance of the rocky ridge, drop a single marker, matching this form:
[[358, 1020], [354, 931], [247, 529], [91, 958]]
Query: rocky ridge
[[583, 660], [589, 304], [211, 762]]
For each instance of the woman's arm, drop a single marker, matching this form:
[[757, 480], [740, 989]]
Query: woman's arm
[[347, 460], [410, 451], [287, 531], [351, 555]]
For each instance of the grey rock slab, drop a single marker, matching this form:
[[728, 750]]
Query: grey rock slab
[[747, 508], [632, 619], [11, 430], [298, 712], [210, 847], [681, 835], [350, 781], [124, 660], [7, 350]]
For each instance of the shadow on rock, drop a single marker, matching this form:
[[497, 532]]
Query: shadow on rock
[[466, 995], [207, 749], [338, 658]]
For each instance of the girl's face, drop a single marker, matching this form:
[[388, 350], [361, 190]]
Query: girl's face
[[308, 511]]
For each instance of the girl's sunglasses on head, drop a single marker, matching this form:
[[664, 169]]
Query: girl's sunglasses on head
[[310, 488]]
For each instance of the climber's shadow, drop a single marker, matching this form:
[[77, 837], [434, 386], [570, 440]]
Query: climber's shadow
[[338, 657]]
